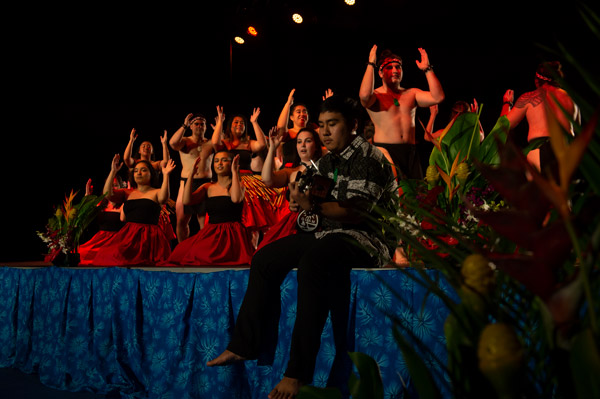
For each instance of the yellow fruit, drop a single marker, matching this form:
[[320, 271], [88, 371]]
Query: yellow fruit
[[478, 274], [500, 357], [462, 172], [432, 175]]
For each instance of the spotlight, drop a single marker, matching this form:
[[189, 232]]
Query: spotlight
[[239, 40], [252, 31], [297, 18], [350, 2]]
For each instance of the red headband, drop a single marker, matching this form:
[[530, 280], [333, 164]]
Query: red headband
[[389, 61]]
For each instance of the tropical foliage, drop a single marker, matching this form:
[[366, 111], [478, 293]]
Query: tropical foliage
[[65, 227], [524, 261]]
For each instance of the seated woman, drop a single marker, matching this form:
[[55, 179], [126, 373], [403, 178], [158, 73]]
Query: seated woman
[[140, 242], [224, 240], [146, 153], [260, 202], [308, 149]]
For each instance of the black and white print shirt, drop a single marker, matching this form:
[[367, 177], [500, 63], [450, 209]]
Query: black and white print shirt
[[361, 175]]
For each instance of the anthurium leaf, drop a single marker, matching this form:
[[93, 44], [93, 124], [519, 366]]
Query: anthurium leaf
[[310, 392], [585, 365], [422, 378], [535, 276], [488, 150], [369, 385], [516, 225], [552, 245], [460, 136], [514, 188]]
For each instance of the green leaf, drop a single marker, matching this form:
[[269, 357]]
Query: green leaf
[[585, 365], [370, 385], [488, 151], [464, 134], [423, 381]]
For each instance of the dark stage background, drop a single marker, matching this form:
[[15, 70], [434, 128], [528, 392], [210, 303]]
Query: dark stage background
[[85, 78]]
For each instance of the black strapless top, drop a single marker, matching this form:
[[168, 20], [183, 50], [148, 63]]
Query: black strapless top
[[221, 209], [142, 210], [245, 158], [289, 149], [109, 221]]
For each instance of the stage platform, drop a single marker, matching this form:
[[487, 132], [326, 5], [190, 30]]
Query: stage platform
[[148, 332]]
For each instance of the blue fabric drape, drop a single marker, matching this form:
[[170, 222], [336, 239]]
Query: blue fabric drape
[[148, 334]]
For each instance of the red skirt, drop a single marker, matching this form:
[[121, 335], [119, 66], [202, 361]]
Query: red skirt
[[164, 222], [261, 203], [136, 244], [88, 250], [284, 227], [220, 244]]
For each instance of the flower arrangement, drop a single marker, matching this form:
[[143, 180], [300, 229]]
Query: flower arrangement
[[65, 227], [451, 182]]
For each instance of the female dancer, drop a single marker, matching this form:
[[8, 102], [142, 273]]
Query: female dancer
[[146, 152], [260, 202], [293, 117], [224, 240], [141, 242], [308, 150]]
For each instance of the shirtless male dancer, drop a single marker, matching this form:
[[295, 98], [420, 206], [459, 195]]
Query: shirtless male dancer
[[535, 106], [392, 109], [190, 148]]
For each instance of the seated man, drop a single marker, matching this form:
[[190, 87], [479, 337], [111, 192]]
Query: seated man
[[360, 178]]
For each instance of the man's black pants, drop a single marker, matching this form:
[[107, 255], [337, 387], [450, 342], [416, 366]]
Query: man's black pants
[[323, 286]]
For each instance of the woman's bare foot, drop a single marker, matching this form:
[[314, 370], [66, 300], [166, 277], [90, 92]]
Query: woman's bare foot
[[287, 388], [224, 359]]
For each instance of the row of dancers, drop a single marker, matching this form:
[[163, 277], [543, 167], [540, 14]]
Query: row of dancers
[[239, 211]]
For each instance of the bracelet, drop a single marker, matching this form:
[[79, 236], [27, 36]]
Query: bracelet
[[429, 68], [374, 65], [184, 126], [508, 102]]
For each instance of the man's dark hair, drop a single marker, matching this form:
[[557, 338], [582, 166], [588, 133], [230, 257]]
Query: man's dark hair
[[549, 72], [387, 54], [344, 105]]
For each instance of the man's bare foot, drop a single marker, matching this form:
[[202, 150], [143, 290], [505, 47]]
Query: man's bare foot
[[400, 258], [224, 359], [286, 389]]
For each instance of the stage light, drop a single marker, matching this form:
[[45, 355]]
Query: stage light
[[350, 2], [252, 31], [297, 18], [239, 40]]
